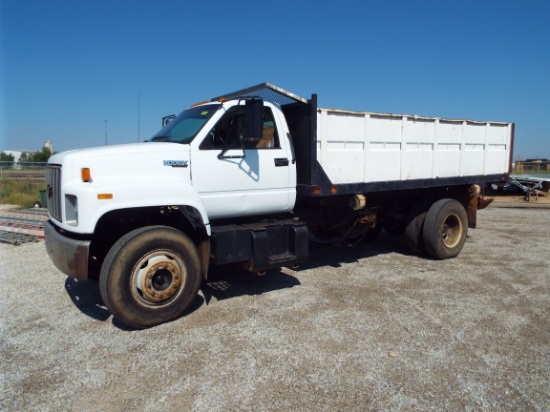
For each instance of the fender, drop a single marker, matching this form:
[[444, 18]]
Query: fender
[[126, 193]]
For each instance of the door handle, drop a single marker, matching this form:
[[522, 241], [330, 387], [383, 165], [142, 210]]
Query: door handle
[[281, 162]]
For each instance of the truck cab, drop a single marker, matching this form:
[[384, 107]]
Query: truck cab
[[207, 177]]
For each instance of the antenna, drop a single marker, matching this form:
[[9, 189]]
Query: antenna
[[139, 110], [106, 133]]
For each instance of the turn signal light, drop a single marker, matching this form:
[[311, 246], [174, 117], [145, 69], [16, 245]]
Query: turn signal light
[[86, 174], [104, 196]]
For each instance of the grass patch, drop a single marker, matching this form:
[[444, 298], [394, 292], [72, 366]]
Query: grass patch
[[20, 192]]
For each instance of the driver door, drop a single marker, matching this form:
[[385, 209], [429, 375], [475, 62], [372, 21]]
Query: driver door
[[237, 178]]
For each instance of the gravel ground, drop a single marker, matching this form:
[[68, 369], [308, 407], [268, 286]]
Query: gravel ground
[[364, 328]]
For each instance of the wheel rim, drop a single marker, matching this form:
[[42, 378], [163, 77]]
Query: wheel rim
[[157, 278], [451, 232]]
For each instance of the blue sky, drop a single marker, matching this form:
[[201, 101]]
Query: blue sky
[[67, 66]]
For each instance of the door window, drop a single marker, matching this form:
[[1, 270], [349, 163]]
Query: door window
[[229, 131]]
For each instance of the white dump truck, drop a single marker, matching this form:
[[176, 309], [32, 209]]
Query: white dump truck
[[253, 178]]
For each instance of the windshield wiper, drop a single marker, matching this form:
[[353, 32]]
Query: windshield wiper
[[160, 138]]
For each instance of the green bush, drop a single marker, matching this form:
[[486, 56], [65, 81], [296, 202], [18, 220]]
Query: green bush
[[20, 192]]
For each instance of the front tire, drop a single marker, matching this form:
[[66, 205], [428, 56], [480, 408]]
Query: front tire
[[150, 276], [445, 229]]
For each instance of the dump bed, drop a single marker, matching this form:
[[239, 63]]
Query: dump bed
[[364, 147]]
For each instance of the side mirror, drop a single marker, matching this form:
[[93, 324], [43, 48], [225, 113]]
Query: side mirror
[[254, 115], [168, 119]]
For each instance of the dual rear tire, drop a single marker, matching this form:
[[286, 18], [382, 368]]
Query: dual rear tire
[[439, 229]]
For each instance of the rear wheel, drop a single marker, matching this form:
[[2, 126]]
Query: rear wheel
[[445, 229], [150, 276], [415, 225]]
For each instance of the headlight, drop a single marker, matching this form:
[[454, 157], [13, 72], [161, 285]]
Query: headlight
[[71, 210]]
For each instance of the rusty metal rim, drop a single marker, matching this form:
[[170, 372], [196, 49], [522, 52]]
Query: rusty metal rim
[[157, 278], [451, 232]]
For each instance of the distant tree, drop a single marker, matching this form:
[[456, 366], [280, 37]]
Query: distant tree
[[5, 157], [24, 157], [41, 156]]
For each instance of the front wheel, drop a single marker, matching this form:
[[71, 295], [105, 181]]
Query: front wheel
[[150, 276], [445, 229]]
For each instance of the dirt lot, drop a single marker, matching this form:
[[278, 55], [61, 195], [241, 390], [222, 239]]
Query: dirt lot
[[364, 328]]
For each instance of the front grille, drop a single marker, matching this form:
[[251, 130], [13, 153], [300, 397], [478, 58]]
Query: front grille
[[53, 191]]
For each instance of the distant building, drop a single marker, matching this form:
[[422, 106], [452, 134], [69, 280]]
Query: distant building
[[17, 153], [533, 165]]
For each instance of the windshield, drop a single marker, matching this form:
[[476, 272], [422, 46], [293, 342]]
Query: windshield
[[186, 125]]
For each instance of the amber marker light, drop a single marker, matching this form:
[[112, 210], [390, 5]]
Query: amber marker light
[[199, 103], [316, 191], [105, 196], [86, 174], [333, 190]]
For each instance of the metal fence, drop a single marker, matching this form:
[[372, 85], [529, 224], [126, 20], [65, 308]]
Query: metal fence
[[20, 170], [533, 167]]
